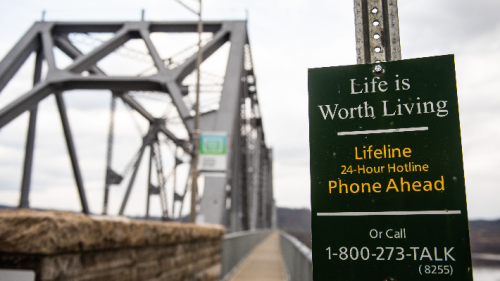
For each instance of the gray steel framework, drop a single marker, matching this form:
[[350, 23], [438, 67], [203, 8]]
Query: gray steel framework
[[242, 198]]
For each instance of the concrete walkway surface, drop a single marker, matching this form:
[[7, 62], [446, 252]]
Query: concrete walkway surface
[[264, 263]]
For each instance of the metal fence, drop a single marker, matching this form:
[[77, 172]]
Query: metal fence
[[236, 246], [297, 258]]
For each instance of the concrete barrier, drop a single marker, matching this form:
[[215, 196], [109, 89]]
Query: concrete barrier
[[69, 246]]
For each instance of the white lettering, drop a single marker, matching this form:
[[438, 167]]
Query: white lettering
[[353, 92], [328, 112], [385, 109]]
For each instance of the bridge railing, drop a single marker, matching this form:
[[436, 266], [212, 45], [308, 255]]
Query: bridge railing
[[237, 246], [296, 257]]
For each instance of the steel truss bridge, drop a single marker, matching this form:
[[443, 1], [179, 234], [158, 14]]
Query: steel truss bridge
[[241, 198]]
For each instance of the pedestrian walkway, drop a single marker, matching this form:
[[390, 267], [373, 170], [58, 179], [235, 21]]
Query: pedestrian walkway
[[264, 263]]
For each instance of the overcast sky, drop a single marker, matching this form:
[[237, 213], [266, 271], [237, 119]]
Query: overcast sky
[[287, 37]]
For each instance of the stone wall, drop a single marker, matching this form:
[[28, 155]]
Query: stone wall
[[69, 246]]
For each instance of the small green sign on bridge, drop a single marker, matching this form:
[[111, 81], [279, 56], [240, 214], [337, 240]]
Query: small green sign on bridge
[[387, 179]]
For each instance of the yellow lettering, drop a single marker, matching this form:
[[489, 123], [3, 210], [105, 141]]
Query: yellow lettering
[[363, 187], [427, 186], [396, 149], [341, 185], [407, 152], [415, 185], [330, 184], [393, 168], [367, 187], [442, 184], [356, 153], [357, 188], [403, 185], [361, 169], [392, 185]]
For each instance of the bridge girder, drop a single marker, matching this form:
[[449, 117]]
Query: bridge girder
[[247, 183]]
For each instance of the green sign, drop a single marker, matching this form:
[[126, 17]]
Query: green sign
[[213, 144], [387, 179], [213, 156]]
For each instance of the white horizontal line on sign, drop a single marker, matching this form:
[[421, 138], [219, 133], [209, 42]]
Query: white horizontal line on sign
[[383, 131], [389, 213]]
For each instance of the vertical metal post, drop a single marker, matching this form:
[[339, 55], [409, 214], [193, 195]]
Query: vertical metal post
[[175, 182], [377, 31], [109, 153], [185, 192], [194, 182], [30, 140], [151, 155], [132, 180], [242, 211], [72, 152]]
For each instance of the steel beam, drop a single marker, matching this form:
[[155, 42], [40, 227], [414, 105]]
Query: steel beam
[[45, 88], [173, 88], [86, 61], [25, 102], [14, 59], [62, 42], [244, 191], [68, 48], [159, 63], [255, 187], [226, 118], [72, 152], [151, 155], [166, 26], [221, 37], [137, 107], [30, 140], [109, 155], [47, 47], [146, 141], [131, 182]]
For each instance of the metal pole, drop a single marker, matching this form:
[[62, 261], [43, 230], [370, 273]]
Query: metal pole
[[148, 138], [30, 140], [151, 155], [184, 194], [109, 153], [72, 152], [377, 31], [196, 139], [132, 180], [175, 181]]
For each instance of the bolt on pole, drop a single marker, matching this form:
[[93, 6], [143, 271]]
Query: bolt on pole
[[196, 139], [377, 31]]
